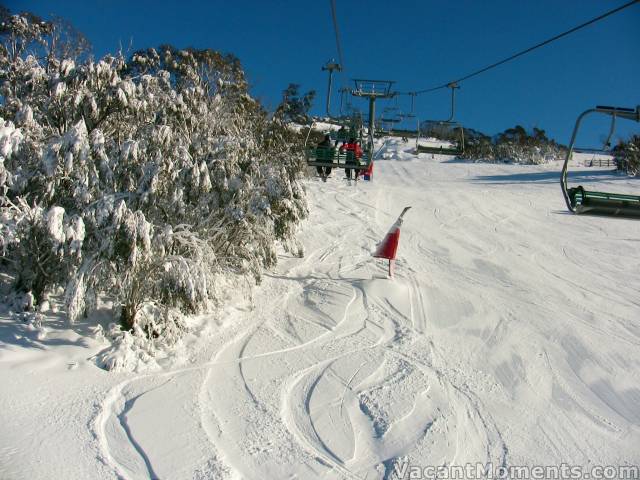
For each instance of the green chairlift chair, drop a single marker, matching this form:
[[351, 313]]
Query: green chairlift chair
[[582, 201], [457, 147], [321, 156], [334, 158], [445, 126]]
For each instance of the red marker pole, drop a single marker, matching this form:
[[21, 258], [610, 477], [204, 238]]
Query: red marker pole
[[389, 246]]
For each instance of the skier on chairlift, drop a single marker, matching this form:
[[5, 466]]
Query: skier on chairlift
[[324, 172], [352, 146], [341, 136]]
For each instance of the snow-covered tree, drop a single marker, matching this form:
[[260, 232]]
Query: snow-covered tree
[[512, 145], [627, 155], [143, 179]]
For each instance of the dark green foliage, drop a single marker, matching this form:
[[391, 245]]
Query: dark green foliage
[[513, 145]]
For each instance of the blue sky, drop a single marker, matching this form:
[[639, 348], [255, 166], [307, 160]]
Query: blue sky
[[419, 44]]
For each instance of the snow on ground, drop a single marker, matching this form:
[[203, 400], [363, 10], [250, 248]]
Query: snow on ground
[[509, 335]]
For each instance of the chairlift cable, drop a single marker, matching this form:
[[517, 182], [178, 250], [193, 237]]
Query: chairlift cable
[[337, 32], [523, 52]]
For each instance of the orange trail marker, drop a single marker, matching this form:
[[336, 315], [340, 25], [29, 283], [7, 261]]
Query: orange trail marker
[[389, 246]]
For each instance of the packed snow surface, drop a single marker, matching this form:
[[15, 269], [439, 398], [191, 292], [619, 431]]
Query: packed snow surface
[[509, 335]]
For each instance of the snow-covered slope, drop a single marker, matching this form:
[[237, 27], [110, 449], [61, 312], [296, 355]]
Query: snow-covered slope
[[509, 335]]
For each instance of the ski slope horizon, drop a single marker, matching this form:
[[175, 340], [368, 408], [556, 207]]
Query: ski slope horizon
[[508, 336]]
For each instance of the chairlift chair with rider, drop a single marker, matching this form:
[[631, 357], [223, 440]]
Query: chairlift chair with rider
[[332, 156]]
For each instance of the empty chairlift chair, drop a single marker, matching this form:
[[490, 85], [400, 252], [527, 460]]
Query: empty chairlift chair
[[449, 129], [439, 129], [581, 200]]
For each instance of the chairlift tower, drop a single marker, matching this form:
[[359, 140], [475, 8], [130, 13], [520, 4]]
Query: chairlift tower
[[331, 66], [373, 90]]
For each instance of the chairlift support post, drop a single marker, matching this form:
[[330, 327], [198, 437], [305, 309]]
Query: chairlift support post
[[583, 201], [373, 90]]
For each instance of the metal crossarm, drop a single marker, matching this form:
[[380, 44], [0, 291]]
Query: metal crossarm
[[372, 88]]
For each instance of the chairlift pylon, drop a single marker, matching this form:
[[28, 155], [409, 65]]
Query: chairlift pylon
[[582, 201]]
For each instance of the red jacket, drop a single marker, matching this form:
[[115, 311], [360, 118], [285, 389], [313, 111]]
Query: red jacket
[[352, 147]]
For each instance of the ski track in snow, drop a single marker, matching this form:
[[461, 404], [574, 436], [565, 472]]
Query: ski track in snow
[[342, 373]]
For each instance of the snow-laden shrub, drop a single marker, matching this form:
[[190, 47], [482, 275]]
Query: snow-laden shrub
[[508, 152], [514, 145], [142, 180], [627, 155], [130, 351]]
